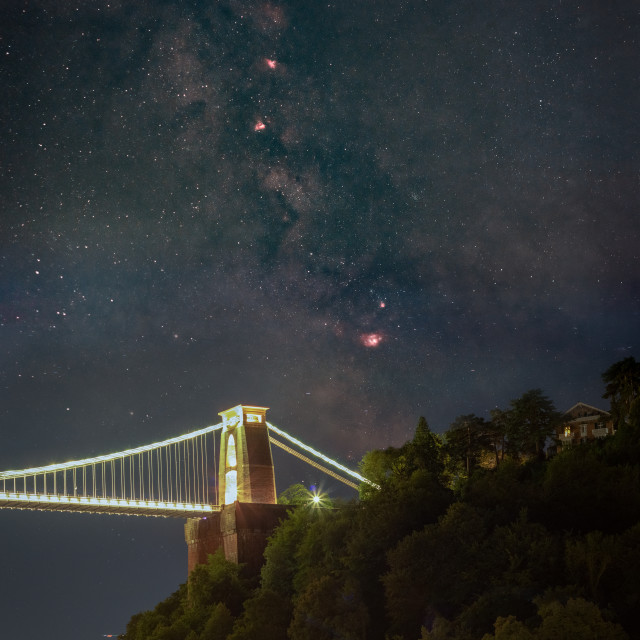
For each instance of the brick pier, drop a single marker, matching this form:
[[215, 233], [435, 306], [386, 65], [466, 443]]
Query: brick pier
[[241, 529]]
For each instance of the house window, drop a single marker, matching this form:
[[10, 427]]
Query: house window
[[583, 429], [567, 432]]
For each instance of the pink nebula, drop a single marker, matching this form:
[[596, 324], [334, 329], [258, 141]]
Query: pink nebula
[[371, 339]]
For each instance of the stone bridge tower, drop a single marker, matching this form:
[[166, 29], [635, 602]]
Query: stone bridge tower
[[247, 493], [246, 466]]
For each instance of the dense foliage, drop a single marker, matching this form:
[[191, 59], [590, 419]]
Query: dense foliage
[[473, 535]]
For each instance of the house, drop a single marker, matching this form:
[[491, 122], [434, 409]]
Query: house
[[583, 422]]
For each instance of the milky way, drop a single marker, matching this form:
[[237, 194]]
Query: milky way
[[353, 214]]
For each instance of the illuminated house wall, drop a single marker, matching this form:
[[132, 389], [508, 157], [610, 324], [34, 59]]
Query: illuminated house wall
[[582, 423], [246, 465]]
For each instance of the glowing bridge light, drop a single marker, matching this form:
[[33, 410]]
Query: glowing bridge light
[[99, 504], [318, 499]]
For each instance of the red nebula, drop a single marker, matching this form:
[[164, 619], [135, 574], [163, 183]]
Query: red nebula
[[371, 339], [272, 64], [259, 126], [383, 304]]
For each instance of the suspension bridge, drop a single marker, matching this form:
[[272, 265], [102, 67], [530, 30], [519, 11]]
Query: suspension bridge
[[190, 476]]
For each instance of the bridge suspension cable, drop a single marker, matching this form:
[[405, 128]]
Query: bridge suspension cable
[[313, 463], [110, 456], [321, 456]]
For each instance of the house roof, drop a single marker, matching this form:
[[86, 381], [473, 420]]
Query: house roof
[[584, 405]]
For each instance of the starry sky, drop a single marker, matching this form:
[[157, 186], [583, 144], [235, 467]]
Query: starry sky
[[352, 213]]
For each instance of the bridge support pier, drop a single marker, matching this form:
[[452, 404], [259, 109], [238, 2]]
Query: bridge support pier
[[203, 536], [247, 490], [241, 529]]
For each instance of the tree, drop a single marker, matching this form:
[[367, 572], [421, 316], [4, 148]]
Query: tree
[[623, 389], [582, 492], [399, 507], [578, 619], [330, 607], [467, 440], [280, 567], [321, 551], [153, 624], [392, 465], [425, 451], [217, 581], [619, 584], [531, 420], [509, 628], [296, 494], [266, 616], [589, 557], [434, 571], [219, 624], [497, 433], [379, 466]]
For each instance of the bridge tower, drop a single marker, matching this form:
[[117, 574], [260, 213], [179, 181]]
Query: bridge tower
[[247, 493], [246, 466]]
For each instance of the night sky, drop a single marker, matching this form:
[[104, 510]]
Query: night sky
[[354, 213]]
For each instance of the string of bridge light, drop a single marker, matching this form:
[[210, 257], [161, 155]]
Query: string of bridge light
[[88, 501]]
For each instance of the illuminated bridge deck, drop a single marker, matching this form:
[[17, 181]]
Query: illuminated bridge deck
[[89, 504]]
